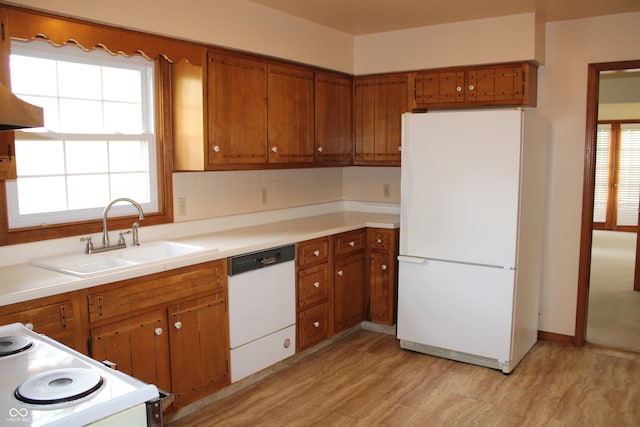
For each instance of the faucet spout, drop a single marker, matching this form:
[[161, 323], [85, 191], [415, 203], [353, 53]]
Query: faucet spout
[[105, 230]]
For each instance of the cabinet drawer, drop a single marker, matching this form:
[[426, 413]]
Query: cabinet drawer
[[312, 285], [313, 251], [54, 320], [350, 242], [379, 238], [312, 326]]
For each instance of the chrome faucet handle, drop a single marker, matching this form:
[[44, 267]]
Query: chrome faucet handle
[[89, 248], [121, 240]]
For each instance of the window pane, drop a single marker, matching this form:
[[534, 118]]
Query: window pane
[[122, 118], [39, 157], [602, 173], [81, 81], [80, 116], [122, 85], [87, 157], [88, 191], [37, 195], [33, 76], [128, 156], [629, 175], [131, 185]]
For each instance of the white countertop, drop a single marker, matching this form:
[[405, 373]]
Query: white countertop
[[23, 282]]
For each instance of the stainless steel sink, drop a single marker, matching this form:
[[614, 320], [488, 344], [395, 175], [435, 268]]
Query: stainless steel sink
[[87, 265]]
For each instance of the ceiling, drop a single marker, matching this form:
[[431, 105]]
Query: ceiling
[[359, 17]]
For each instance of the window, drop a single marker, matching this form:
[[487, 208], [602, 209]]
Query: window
[[617, 186], [98, 143]]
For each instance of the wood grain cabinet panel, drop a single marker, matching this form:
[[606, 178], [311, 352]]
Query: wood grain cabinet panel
[[349, 291], [313, 252], [313, 325], [333, 119], [313, 285], [290, 112], [379, 103], [382, 274], [237, 111]]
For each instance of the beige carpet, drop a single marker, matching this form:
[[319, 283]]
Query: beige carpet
[[614, 307]]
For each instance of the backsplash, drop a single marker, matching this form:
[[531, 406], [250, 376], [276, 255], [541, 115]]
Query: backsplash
[[200, 195]]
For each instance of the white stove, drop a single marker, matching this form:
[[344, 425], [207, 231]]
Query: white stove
[[43, 382]]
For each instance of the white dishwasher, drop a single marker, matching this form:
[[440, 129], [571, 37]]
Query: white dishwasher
[[262, 309]]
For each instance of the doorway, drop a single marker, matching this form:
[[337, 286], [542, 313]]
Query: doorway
[[586, 234]]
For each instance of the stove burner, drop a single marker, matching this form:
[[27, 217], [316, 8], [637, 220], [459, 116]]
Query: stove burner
[[59, 385], [14, 344]]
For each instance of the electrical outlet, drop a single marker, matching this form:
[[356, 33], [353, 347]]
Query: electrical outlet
[[263, 195], [182, 206], [386, 190]]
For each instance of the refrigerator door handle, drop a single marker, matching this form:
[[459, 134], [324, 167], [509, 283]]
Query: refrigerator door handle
[[412, 259]]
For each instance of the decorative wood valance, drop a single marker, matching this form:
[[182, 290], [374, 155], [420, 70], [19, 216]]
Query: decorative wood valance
[[30, 25]]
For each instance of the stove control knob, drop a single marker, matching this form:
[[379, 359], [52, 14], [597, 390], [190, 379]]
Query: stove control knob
[[29, 326], [158, 331], [178, 325]]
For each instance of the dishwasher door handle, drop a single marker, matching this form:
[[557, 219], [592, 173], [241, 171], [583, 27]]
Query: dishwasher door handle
[[268, 261]]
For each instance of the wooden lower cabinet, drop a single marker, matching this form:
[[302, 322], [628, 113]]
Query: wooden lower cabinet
[[169, 328], [313, 325], [138, 345], [349, 292], [199, 347], [382, 274], [59, 317]]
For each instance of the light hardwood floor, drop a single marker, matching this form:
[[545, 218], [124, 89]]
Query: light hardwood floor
[[366, 380]]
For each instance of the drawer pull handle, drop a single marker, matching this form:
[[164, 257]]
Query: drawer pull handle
[[471, 87], [274, 149], [216, 148], [316, 324], [158, 331], [379, 241], [178, 325], [340, 273], [458, 89], [352, 243], [384, 267], [320, 149], [29, 326], [316, 253], [316, 284]]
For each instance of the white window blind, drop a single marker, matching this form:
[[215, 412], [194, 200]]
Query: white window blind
[[629, 174], [603, 145]]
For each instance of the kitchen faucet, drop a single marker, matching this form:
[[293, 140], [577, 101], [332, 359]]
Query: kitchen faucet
[[105, 230]]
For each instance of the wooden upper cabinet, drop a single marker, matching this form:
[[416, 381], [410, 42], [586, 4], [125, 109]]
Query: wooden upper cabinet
[[379, 103], [290, 114], [333, 119], [513, 84], [237, 116]]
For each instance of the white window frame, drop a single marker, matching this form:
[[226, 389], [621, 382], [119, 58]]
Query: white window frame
[[44, 49]]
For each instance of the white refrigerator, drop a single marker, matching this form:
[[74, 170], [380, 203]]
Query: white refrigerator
[[473, 197]]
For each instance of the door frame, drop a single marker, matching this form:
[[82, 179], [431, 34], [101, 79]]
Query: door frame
[[586, 230]]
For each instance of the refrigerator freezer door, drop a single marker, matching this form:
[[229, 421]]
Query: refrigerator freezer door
[[459, 307], [460, 185]]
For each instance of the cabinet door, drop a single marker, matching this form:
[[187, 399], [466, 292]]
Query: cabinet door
[[496, 85], [237, 110], [138, 345], [349, 294], [439, 87], [290, 113], [56, 320], [199, 336], [334, 118], [379, 103], [7, 152], [380, 285]]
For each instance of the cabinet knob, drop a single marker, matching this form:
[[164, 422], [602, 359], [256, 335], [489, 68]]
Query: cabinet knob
[[274, 149], [383, 267], [340, 273], [216, 148], [178, 325], [316, 324], [158, 331], [316, 253], [316, 284], [29, 326], [400, 148], [471, 87], [352, 243], [320, 149], [379, 241], [287, 343], [458, 89]]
